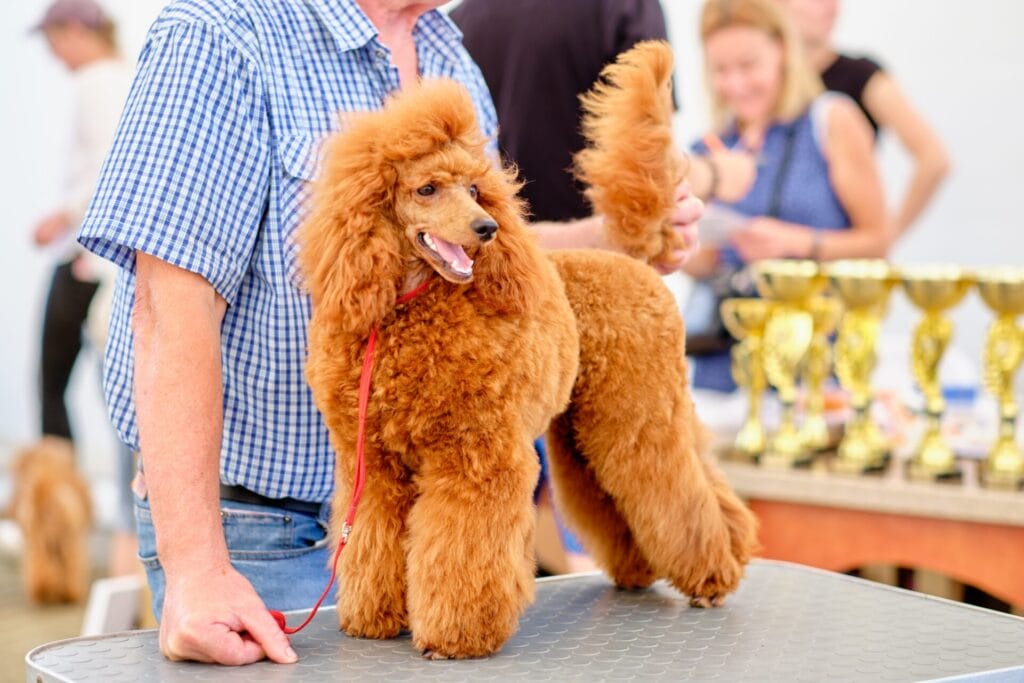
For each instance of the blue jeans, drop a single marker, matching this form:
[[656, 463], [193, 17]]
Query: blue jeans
[[285, 555]]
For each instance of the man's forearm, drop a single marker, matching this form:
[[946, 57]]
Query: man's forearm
[[178, 398], [584, 233]]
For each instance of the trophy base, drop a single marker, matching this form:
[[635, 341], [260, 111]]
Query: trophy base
[[1004, 481], [879, 463], [1004, 467], [925, 473], [780, 461]]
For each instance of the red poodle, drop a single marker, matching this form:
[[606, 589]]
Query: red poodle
[[504, 343]]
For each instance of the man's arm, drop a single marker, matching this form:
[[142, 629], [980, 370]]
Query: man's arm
[[211, 612], [588, 233]]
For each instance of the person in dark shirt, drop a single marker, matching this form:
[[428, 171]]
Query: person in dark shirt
[[537, 56], [880, 98]]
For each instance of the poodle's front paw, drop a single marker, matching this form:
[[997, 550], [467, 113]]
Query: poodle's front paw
[[718, 581], [380, 627], [705, 602], [461, 643]]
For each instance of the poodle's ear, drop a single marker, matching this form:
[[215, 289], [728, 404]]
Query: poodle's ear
[[506, 273], [350, 252]]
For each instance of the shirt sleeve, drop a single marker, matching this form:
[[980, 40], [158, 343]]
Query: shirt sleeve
[[187, 176]]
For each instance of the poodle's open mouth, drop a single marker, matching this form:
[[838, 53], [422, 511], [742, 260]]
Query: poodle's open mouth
[[449, 259]]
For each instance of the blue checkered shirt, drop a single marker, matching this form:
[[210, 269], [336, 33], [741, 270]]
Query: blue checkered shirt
[[217, 144]]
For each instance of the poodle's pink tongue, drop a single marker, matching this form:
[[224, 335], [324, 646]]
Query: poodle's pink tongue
[[453, 254]]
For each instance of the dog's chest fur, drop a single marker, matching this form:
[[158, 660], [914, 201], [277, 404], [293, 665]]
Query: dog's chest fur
[[444, 357]]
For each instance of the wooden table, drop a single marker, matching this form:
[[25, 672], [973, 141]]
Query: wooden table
[[837, 522]]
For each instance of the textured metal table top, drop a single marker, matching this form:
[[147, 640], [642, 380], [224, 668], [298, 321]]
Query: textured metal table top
[[786, 623]]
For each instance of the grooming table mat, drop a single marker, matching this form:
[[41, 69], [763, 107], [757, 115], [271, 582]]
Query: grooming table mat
[[786, 623]]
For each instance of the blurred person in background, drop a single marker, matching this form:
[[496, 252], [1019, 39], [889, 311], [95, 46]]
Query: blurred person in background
[[82, 36], [881, 99], [817, 193]]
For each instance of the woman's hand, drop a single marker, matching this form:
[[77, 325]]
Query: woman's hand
[[764, 238], [49, 228]]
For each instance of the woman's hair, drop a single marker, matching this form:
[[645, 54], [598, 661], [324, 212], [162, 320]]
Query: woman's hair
[[107, 31], [800, 84]]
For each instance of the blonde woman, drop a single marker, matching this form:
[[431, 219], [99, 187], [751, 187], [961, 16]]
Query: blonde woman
[[817, 192], [881, 99]]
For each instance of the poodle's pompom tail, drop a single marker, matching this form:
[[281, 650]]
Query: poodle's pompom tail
[[630, 164]]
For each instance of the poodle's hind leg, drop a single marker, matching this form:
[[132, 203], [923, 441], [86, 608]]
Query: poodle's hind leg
[[471, 548], [591, 512], [372, 573], [634, 424]]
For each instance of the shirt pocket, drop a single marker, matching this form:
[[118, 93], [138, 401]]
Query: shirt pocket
[[299, 154]]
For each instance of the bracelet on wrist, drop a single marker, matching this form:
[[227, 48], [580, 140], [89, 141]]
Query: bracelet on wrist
[[815, 252]]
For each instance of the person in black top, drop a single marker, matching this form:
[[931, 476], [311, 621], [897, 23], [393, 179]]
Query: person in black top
[[537, 56], [881, 99]]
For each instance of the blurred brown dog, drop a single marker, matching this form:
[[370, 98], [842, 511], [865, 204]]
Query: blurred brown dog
[[52, 506]]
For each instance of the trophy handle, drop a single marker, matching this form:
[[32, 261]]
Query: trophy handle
[[931, 337], [1003, 353]]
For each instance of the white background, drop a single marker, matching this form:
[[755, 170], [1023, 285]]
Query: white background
[[961, 63]]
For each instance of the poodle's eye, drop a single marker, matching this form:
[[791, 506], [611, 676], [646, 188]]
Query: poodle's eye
[[473, 191], [426, 190]]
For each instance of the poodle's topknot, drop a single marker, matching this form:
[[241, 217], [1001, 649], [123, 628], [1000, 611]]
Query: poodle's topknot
[[421, 119]]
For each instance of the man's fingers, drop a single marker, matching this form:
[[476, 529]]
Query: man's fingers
[[265, 631], [687, 211], [217, 644]]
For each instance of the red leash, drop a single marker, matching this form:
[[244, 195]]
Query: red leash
[[360, 478]]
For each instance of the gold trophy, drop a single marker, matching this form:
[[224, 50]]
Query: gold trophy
[[745, 320], [825, 312], [863, 285], [787, 337], [933, 289], [1003, 291]]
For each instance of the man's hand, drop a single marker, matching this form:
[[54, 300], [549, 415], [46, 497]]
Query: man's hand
[[684, 221], [50, 227], [216, 616]]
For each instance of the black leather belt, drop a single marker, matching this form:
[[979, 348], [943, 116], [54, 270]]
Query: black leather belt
[[244, 495]]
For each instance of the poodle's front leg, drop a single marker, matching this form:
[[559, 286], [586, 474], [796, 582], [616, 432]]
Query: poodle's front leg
[[372, 590], [471, 548]]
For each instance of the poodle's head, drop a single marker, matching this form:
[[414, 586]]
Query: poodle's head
[[407, 192], [437, 203]]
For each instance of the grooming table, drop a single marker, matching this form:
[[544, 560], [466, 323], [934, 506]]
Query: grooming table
[[786, 623]]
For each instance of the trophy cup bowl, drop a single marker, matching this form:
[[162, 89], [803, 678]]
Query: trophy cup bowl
[[1002, 289], [787, 280], [744, 316], [863, 285], [745, 319], [933, 289]]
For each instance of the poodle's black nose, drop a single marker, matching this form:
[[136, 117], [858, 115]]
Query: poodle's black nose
[[484, 228]]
